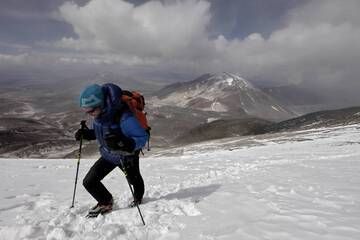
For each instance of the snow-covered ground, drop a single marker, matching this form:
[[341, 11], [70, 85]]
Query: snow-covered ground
[[303, 185]]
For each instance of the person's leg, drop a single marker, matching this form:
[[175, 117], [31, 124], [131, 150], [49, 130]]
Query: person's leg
[[92, 181], [134, 177]]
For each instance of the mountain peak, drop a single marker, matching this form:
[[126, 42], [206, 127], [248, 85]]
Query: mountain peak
[[223, 75], [227, 80], [226, 93]]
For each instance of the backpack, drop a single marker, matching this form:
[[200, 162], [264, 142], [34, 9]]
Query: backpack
[[136, 104]]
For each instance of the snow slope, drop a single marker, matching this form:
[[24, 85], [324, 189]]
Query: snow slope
[[302, 185]]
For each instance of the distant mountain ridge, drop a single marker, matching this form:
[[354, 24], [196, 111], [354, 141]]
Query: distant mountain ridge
[[339, 117], [39, 120], [24, 137], [225, 128], [224, 92]]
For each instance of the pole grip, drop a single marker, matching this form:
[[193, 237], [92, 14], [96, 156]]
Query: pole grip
[[83, 124]]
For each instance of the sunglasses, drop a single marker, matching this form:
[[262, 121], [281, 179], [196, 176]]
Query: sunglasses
[[90, 111]]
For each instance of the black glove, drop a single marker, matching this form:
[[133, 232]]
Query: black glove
[[119, 141], [87, 134]]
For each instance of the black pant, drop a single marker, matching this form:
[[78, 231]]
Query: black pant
[[101, 168]]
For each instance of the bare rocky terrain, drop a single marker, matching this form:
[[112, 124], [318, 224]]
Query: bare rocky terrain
[[39, 120]]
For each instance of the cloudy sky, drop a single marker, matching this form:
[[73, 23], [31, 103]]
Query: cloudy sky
[[310, 42]]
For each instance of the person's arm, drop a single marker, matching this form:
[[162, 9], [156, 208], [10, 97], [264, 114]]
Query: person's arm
[[130, 137], [132, 129], [118, 141]]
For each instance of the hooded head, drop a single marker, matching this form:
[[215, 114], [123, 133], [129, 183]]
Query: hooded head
[[92, 96]]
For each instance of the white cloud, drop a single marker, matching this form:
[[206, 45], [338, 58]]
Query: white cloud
[[318, 45], [17, 59], [320, 39], [151, 30]]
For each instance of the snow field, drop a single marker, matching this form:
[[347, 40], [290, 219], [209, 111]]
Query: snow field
[[289, 186]]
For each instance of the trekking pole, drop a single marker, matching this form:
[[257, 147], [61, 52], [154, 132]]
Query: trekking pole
[[132, 192], [148, 143], [83, 126]]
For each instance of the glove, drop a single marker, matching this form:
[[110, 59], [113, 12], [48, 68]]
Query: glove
[[87, 134], [120, 142]]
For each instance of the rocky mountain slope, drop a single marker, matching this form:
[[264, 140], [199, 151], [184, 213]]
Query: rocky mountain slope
[[223, 128], [339, 117], [21, 137], [40, 121], [226, 93]]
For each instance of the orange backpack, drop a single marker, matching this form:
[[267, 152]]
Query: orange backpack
[[136, 103]]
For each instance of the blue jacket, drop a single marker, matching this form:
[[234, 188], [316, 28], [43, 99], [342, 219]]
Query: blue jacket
[[106, 124]]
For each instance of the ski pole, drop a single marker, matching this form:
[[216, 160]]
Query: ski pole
[[136, 203], [83, 126]]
